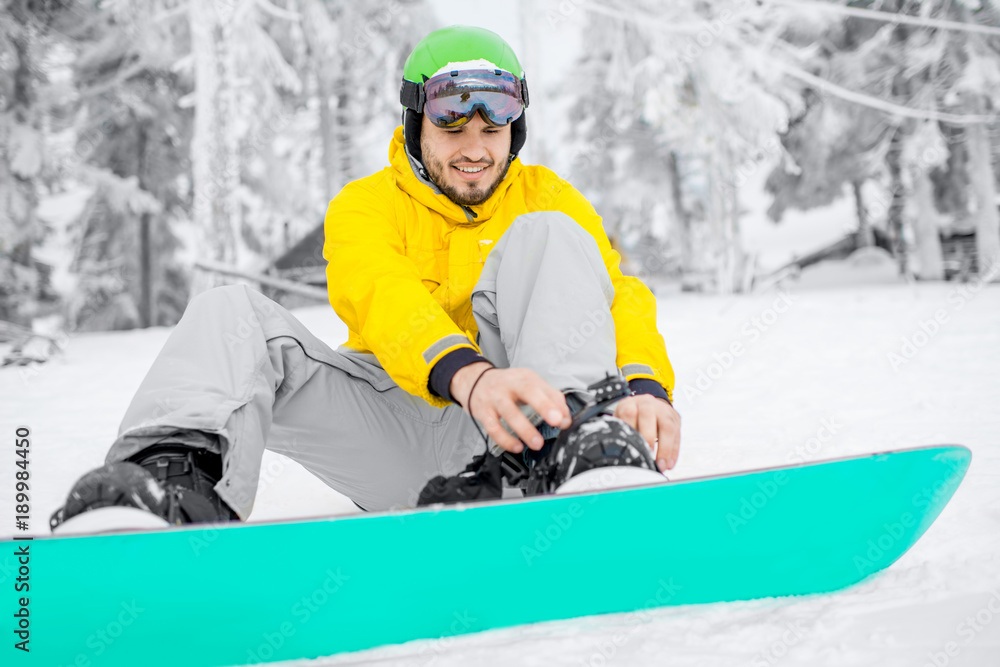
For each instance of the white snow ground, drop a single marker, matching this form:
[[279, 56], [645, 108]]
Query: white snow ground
[[815, 381]]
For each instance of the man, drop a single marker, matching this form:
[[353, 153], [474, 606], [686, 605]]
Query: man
[[453, 261]]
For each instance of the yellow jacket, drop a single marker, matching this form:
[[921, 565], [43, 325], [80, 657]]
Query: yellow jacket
[[402, 262]]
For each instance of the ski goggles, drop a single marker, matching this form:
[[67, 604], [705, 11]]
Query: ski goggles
[[451, 99]]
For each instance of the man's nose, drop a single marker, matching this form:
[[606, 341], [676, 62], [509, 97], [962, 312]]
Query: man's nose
[[473, 148], [473, 145]]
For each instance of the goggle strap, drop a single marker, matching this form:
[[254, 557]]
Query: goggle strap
[[411, 96]]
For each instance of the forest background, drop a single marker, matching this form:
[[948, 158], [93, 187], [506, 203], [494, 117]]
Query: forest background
[[142, 139]]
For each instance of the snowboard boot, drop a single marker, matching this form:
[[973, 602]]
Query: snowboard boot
[[171, 481], [596, 440], [515, 467], [600, 442], [483, 479]]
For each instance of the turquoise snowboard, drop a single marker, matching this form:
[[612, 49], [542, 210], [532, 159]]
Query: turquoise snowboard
[[265, 592]]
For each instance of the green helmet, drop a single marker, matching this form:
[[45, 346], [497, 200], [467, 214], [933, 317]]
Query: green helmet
[[455, 44], [467, 45]]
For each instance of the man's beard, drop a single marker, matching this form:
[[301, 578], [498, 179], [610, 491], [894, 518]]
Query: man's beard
[[470, 197]]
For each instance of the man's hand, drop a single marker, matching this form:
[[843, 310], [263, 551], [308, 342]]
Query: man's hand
[[659, 424], [499, 393]]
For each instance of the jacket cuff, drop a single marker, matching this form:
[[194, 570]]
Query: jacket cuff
[[446, 367], [647, 386]]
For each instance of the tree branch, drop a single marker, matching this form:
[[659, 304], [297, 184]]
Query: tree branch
[[688, 28], [802, 75], [172, 13], [876, 103], [120, 77], [278, 12], [888, 17], [284, 285]]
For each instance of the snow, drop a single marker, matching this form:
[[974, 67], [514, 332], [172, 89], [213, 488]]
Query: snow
[[865, 266], [799, 232], [762, 380], [465, 65], [59, 211]]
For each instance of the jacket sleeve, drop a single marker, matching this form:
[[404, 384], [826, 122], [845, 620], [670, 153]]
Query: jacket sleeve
[[377, 291], [641, 350]]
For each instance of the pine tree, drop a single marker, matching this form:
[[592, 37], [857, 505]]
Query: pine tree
[[979, 91], [919, 159], [325, 80], [27, 35], [214, 161], [671, 97], [132, 142]]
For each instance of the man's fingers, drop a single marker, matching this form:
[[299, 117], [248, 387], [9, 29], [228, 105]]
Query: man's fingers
[[549, 403], [658, 424], [495, 404], [647, 425], [495, 430], [665, 457], [559, 414], [670, 441], [518, 423], [483, 409]]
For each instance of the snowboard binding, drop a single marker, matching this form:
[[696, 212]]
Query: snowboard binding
[[595, 439], [171, 481]]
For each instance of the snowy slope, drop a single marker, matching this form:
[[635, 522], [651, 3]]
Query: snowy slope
[[815, 381]]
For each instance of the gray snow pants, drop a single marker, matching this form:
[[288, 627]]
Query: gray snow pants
[[240, 366]]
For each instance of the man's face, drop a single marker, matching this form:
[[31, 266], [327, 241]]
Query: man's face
[[467, 162]]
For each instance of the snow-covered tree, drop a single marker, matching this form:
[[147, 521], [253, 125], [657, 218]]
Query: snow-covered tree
[[619, 159], [315, 85], [833, 144], [250, 154], [27, 35], [902, 96], [978, 90], [675, 109], [132, 142], [215, 173]]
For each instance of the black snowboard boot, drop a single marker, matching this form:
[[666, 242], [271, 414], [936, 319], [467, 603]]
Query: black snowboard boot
[[515, 467], [483, 478], [599, 441], [173, 481], [595, 439]]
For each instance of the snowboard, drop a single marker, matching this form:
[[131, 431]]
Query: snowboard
[[253, 593]]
